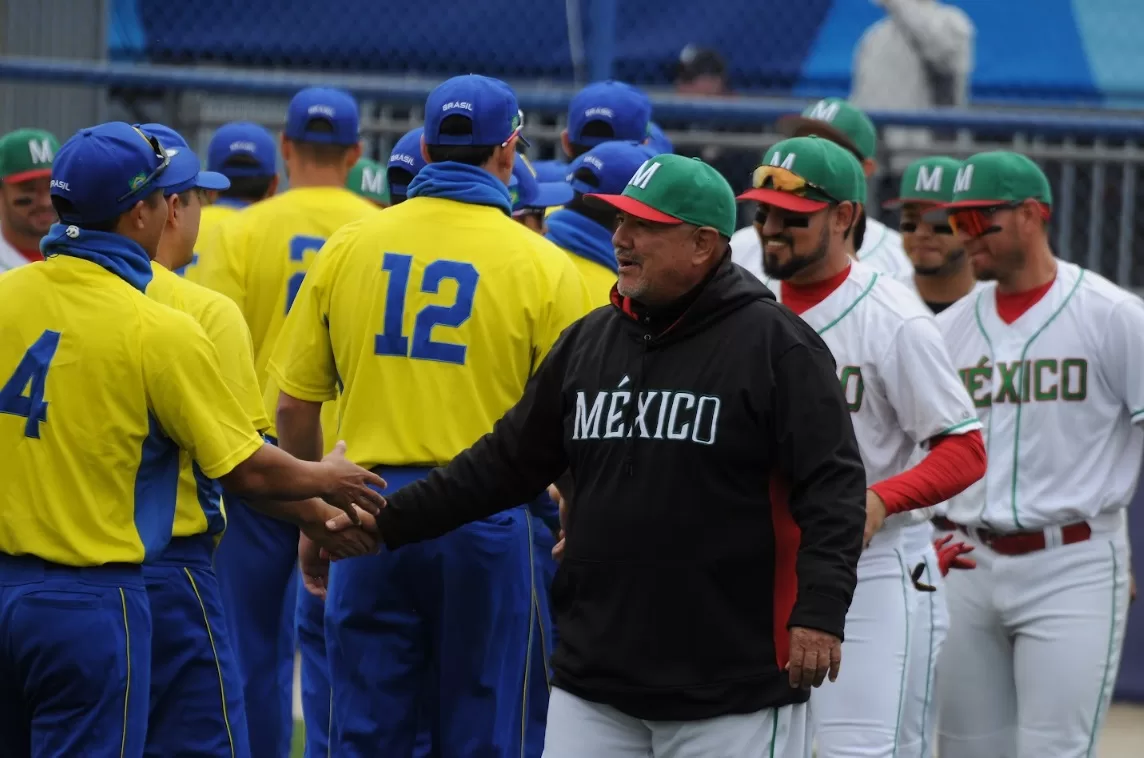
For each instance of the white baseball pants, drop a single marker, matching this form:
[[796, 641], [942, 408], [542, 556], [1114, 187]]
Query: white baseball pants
[[579, 728], [929, 626], [1033, 650]]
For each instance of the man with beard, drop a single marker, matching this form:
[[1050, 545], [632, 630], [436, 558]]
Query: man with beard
[[901, 391], [941, 277], [1051, 355], [26, 211]]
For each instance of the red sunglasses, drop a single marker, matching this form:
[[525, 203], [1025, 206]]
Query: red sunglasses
[[978, 222]]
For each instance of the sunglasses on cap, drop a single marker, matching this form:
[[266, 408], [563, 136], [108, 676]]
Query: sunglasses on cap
[[785, 180], [977, 222], [517, 128], [938, 221], [164, 161]]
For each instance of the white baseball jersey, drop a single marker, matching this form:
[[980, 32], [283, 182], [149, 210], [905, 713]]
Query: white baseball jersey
[[897, 376], [1061, 394], [10, 257], [881, 249]]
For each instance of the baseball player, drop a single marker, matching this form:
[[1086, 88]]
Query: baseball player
[[842, 123], [601, 112], [902, 392], [531, 198], [585, 231], [26, 211], [100, 388], [429, 319], [245, 154], [258, 259], [405, 161], [367, 178], [1051, 356], [941, 276]]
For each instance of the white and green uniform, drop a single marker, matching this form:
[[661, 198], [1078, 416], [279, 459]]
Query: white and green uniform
[[881, 249], [902, 392], [1036, 637], [10, 257]]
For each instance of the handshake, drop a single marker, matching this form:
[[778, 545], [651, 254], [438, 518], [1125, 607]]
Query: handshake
[[331, 535]]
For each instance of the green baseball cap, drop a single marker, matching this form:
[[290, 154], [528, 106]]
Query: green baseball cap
[[672, 189], [927, 180], [805, 174], [367, 178], [838, 121], [997, 178], [27, 154]]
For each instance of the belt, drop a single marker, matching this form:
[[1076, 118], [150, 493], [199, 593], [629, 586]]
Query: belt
[[1022, 543]]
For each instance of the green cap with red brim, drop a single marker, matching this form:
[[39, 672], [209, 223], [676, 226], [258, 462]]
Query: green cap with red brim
[[830, 172], [998, 178], [673, 189], [927, 181], [836, 120], [27, 154]]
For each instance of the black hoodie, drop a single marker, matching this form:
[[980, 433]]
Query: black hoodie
[[734, 512]]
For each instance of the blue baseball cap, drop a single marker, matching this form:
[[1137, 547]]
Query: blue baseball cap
[[183, 173], [657, 140], [527, 191], [489, 104], [333, 106], [243, 139], [607, 168], [550, 171], [626, 109], [407, 156], [103, 171]]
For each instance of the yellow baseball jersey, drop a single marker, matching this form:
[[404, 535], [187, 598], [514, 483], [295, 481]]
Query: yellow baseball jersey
[[599, 279], [212, 218], [198, 504], [259, 256], [426, 320], [100, 387]]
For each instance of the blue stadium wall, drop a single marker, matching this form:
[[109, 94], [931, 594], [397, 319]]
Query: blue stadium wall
[[1065, 51]]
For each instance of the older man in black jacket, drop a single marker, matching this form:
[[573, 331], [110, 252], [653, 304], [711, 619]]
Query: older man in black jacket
[[714, 531]]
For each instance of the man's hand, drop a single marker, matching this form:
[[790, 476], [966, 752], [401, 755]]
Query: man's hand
[[345, 543], [558, 548], [348, 485], [875, 517], [813, 654], [314, 568], [951, 555]]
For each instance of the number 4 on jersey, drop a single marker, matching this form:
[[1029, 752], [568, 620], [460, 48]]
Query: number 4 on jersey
[[23, 394], [392, 341]]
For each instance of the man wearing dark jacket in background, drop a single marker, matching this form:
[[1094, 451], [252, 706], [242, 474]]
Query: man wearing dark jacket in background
[[715, 526]]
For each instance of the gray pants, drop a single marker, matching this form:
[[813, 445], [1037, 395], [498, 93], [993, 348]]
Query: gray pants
[[578, 728]]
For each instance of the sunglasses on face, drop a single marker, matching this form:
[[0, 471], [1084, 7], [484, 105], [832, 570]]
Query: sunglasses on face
[[789, 220], [938, 221], [164, 161], [978, 222], [785, 180]]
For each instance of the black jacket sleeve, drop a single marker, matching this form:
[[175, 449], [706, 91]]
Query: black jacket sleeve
[[507, 467], [818, 455]]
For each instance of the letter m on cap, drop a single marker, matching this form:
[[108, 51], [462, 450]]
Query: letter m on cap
[[40, 150], [371, 181], [644, 174], [964, 179], [823, 110], [929, 179], [788, 162]]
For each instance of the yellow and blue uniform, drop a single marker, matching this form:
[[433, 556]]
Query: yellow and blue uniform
[[99, 389], [258, 258], [196, 685], [425, 322], [213, 217]]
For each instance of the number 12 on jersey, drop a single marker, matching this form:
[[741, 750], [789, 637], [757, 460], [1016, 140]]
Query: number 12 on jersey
[[392, 340]]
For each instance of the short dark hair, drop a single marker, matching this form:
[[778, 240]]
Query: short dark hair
[[601, 130], [322, 153], [64, 207], [249, 188], [471, 155], [397, 176], [605, 216], [859, 229]]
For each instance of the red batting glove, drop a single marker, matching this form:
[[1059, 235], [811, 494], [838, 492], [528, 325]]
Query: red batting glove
[[950, 555]]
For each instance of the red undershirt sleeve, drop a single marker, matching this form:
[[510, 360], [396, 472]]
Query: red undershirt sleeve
[[954, 462]]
